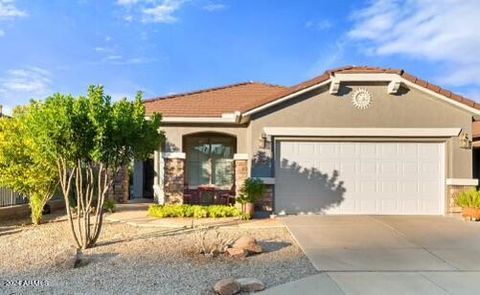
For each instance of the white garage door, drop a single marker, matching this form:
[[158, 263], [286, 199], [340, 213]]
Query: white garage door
[[359, 177]]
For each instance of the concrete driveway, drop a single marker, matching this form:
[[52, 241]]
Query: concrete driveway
[[387, 254]]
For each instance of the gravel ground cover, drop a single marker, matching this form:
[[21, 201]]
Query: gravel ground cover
[[136, 260]]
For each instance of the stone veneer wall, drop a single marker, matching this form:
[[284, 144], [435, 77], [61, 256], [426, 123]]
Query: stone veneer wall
[[120, 188], [174, 180], [241, 174], [452, 193]]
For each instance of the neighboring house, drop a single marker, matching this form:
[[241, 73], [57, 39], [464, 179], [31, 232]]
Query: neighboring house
[[355, 140]]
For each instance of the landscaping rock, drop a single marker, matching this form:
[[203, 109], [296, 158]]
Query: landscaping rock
[[68, 258], [249, 244], [236, 252], [226, 287], [250, 285]]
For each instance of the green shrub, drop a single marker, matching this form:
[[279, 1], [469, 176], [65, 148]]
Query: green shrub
[[246, 216], [110, 206], [223, 211], [196, 211], [252, 190], [199, 211], [469, 199]]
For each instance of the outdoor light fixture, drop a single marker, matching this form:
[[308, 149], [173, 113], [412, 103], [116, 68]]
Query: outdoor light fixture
[[263, 141], [465, 142]]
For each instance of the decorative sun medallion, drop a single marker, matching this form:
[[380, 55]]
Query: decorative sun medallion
[[361, 99]]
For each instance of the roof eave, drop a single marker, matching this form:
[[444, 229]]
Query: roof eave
[[369, 77], [226, 118]]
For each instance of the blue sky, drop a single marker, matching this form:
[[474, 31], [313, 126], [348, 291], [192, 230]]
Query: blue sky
[[171, 46]]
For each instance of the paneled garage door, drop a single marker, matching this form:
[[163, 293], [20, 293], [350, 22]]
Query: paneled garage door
[[360, 177]]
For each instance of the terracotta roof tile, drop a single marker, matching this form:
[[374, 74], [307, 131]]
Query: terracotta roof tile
[[212, 102], [421, 82], [468, 102], [433, 87], [409, 77], [243, 97], [456, 97], [445, 92]]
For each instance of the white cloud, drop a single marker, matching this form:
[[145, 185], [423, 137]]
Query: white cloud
[[102, 49], [215, 7], [445, 32], [9, 11], [162, 13], [133, 61], [127, 2], [25, 83], [151, 11], [113, 57], [319, 25]]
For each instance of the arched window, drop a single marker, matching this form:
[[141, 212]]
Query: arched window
[[209, 160]]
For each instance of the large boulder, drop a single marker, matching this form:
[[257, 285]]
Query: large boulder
[[249, 244], [250, 285], [236, 252], [67, 258], [227, 287]]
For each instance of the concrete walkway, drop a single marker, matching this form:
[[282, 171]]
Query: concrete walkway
[[387, 255]]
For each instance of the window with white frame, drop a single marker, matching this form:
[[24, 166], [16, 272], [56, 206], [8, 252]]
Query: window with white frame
[[209, 160]]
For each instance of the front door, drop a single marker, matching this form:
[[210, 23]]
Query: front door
[[148, 176]]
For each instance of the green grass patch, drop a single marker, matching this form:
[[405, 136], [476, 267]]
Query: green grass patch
[[196, 211]]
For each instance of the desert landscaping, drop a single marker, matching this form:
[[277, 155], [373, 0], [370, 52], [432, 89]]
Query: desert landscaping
[[130, 259]]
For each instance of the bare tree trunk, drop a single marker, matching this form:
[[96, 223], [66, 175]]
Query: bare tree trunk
[[80, 207], [89, 180], [65, 182], [103, 185]]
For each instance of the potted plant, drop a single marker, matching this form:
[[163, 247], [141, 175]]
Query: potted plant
[[253, 190], [470, 203]]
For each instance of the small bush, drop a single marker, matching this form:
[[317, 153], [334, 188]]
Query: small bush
[[223, 211], [252, 190], [196, 211], [110, 206], [210, 242], [469, 199]]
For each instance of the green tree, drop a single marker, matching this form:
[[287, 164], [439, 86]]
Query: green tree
[[90, 139], [23, 168]]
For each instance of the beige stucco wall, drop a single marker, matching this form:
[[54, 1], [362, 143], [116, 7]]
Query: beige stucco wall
[[174, 135], [411, 109]]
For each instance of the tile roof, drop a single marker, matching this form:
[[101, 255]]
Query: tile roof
[[212, 102], [250, 95]]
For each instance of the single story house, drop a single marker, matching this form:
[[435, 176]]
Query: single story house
[[355, 140]]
